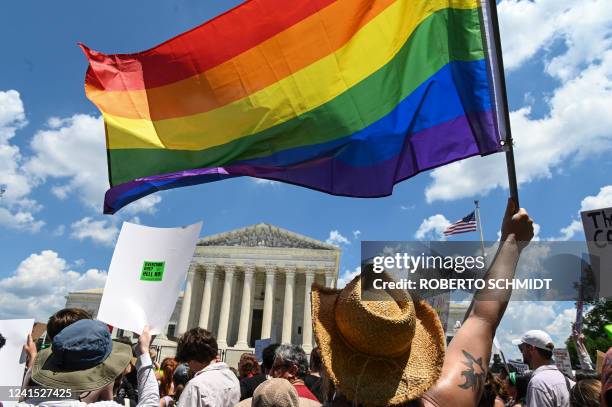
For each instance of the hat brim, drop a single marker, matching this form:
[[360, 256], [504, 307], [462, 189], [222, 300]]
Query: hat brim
[[47, 373], [517, 342], [374, 380]]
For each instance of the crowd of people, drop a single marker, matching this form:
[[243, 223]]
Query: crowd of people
[[369, 353]]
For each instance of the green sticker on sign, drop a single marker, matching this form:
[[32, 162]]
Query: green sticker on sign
[[152, 270]]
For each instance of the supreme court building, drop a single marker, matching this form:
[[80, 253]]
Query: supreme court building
[[247, 284], [254, 283]]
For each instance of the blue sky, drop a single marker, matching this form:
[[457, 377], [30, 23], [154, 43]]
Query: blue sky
[[53, 237]]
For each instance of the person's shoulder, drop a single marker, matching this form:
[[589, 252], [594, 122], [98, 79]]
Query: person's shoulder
[[306, 402], [310, 379], [245, 403], [255, 380], [538, 377]]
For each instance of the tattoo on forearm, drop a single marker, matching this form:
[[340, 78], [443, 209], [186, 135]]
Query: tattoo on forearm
[[474, 374]]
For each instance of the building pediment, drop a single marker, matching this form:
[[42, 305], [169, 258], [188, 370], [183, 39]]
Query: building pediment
[[264, 235]]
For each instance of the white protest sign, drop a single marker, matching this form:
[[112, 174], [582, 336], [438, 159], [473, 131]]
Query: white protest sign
[[15, 333], [562, 360], [147, 270], [598, 231]]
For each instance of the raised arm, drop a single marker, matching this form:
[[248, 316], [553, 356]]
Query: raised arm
[[467, 358], [583, 355], [148, 391]]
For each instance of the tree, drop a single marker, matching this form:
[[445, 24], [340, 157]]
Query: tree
[[595, 338]]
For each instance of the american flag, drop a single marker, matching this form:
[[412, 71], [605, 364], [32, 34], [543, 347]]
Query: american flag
[[467, 224]]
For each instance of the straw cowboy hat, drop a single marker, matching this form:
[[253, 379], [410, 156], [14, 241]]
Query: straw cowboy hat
[[383, 352], [82, 357]]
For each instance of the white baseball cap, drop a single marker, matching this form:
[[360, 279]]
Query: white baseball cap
[[537, 338]]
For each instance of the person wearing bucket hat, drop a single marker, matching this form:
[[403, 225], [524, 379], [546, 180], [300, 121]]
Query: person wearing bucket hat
[[392, 351], [85, 362]]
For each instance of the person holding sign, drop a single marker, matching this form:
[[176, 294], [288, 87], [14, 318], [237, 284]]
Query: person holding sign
[[83, 364]]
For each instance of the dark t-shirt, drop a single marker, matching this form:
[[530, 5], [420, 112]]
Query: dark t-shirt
[[315, 385], [249, 384]]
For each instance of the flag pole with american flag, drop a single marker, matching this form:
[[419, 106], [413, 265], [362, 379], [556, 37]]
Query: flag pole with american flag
[[469, 223]]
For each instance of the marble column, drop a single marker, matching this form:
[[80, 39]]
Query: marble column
[[288, 305], [266, 325], [245, 310], [307, 327], [207, 296], [185, 307], [329, 278], [225, 307]]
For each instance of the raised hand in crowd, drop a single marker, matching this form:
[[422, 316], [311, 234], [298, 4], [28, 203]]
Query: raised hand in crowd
[[467, 359], [30, 350]]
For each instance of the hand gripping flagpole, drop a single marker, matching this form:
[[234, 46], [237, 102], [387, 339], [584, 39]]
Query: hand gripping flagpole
[[501, 96]]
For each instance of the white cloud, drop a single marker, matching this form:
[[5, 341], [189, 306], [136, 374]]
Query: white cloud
[[530, 26], [72, 151], [602, 200], [570, 230], [262, 181], [16, 210], [561, 327], [336, 238], [347, 276], [23, 296], [536, 233], [12, 115], [100, 231], [407, 207], [356, 234], [578, 123], [148, 205], [432, 228]]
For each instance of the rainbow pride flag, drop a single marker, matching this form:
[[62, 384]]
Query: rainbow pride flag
[[347, 97]]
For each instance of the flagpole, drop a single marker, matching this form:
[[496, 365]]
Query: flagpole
[[480, 228], [508, 143]]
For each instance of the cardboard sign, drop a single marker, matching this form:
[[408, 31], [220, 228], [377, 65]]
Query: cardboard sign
[[147, 270], [15, 333], [562, 360], [598, 232]]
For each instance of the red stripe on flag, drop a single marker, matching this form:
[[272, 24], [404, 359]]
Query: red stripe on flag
[[199, 49]]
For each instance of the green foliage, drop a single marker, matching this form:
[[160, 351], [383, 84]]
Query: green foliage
[[571, 348], [595, 337]]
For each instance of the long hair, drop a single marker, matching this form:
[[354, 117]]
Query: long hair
[[167, 366]]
